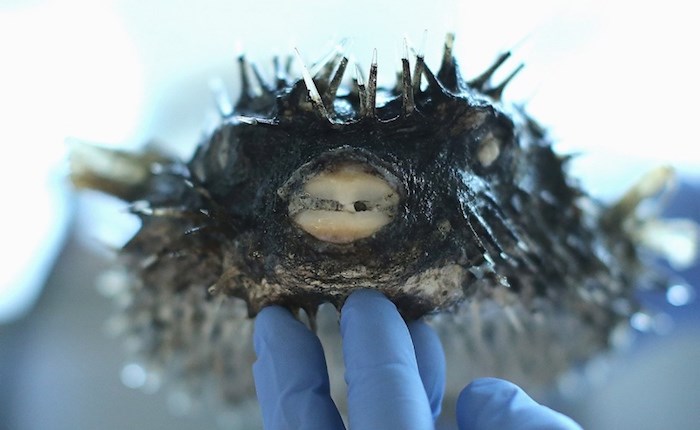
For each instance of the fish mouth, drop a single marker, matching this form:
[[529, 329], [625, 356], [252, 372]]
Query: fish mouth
[[340, 200]]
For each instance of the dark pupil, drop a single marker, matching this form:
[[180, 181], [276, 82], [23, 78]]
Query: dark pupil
[[359, 207]]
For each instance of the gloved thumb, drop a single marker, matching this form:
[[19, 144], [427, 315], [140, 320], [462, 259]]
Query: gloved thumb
[[495, 404]]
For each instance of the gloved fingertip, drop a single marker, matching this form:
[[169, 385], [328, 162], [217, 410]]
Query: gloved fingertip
[[267, 323], [365, 309], [384, 385], [489, 387], [491, 403], [365, 297], [431, 362], [277, 331], [271, 315], [291, 379], [423, 334]]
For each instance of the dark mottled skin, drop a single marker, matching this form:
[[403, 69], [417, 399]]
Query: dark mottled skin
[[510, 246], [237, 177]]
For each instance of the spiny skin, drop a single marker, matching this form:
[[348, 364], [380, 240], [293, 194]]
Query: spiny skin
[[489, 228]]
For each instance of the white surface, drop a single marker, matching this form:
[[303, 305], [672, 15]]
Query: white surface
[[54, 81]]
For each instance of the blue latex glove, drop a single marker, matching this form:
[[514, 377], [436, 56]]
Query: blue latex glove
[[395, 372]]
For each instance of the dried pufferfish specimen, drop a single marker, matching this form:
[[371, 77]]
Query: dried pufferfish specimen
[[450, 202]]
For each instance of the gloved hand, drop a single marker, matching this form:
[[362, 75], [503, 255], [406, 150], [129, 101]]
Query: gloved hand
[[395, 372]]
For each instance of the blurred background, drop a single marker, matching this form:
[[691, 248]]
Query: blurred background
[[615, 83]]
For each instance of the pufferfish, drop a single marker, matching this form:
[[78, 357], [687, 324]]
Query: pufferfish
[[435, 192]]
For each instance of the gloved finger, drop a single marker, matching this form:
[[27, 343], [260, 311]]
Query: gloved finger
[[431, 363], [290, 374], [490, 404], [384, 386]]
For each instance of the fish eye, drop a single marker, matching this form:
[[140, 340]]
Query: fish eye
[[489, 150]]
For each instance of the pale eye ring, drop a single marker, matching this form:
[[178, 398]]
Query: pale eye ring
[[489, 150]]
